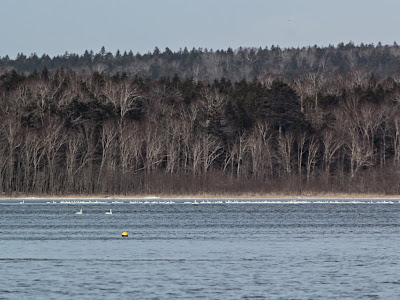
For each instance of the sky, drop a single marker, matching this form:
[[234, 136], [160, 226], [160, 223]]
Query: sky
[[54, 26]]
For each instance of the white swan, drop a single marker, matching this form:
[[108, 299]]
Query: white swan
[[109, 212], [79, 212]]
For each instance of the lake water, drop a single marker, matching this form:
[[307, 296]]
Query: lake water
[[301, 249]]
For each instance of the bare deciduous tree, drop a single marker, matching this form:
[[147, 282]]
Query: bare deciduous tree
[[313, 147], [53, 138], [285, 151]]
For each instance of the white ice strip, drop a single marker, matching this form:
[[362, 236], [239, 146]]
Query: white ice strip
[[208, 201]]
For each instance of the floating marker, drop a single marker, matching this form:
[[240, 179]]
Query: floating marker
[[124, 234]]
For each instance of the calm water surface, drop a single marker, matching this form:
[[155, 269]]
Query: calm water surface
[[207, 251]]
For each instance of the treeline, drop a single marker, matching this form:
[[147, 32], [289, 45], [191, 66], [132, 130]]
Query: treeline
[[207, 65], [65, 133]]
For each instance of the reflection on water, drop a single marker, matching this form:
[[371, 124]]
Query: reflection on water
[[319, 249]]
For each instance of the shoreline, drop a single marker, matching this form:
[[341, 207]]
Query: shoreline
[[207, 196]]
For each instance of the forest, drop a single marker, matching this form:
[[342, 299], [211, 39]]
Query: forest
[[206, 65], [292, 121]]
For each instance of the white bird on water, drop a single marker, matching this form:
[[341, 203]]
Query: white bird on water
[[79, 212], [109, 212]]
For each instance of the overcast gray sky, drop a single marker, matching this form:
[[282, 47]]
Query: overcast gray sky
[[53, 26]]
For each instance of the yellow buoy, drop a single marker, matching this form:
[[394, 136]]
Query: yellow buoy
[[124, 234]]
